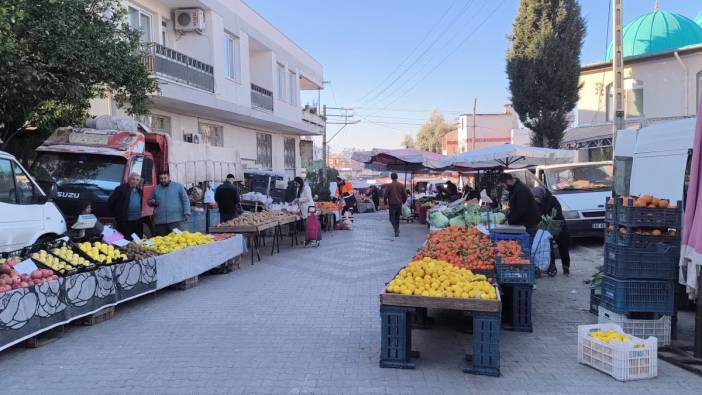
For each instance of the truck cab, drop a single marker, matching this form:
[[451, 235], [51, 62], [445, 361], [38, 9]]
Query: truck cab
[[86, 165], [26, 214], [582, 190]]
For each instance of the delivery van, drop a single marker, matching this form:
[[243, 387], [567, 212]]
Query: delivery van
[[26, 214], [582, 190]]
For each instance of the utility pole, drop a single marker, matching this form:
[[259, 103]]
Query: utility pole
[[324, 143], [337, 116], [475, 106], [617, 67]]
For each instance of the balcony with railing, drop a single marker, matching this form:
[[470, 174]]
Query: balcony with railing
[[310, 115], [169, 63], [261, 98]]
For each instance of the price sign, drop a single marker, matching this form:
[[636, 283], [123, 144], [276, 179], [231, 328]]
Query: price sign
[[136, 238], [120, 242], [26, 267]]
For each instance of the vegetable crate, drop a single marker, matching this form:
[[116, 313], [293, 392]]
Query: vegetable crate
[[633, 217], [516, 308], [641, 241], [658, 262], [625, 361], [632, 296], [396, 337], [595, 300], [486, 347], [658, 327], [522, 238], [506, 273]]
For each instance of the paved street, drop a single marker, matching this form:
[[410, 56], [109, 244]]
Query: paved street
[[306, 321]]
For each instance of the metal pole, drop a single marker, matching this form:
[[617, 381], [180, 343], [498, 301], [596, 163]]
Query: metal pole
[[475, 105], [324, 143], [617, 67]]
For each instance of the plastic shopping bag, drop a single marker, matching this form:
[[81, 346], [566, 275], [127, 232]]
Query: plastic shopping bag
[[406, 212], [541, 249]]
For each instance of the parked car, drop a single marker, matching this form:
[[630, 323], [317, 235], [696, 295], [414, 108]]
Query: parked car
[[26, 214]]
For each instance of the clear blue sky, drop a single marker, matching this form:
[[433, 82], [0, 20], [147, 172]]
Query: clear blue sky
[[361, 42]]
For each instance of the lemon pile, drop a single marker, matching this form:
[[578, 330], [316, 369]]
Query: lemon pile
[[431, 277], [67, 254], [177, 241], [102, 253], [50, 261], [609, 335]]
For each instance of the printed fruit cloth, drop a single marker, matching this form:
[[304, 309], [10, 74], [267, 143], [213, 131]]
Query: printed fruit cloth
[[510, 252], [431, 277], [464, 247]]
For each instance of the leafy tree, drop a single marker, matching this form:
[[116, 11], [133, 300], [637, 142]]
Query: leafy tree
[[543, 66], [320, 184], [408, 141], [430, 134], [55, 55]]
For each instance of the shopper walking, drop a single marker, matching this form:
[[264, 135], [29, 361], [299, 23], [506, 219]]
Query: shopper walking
[[227, 198], [125, 205], [395, 196], [549, 205], [171, 205], [522, 206]]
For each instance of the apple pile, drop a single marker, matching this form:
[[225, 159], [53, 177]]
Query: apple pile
[[11, 279]]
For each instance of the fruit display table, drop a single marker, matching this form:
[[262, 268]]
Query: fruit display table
[[252, 233], [28, 312]]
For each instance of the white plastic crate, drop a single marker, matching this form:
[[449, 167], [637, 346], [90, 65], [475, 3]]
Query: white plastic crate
[[633, 360], [659, 328]]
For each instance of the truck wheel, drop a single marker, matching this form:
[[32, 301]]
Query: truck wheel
[[49, 237]]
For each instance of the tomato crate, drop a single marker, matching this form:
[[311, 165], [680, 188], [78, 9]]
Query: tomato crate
[[506, 273], [635, 359], [522, 238], [659, 262], [658, 326], [634, 217], [633, 296]]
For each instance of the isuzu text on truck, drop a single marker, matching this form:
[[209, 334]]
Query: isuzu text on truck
[[87, 164]]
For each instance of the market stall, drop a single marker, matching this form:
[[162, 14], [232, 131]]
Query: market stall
[[60, 282]]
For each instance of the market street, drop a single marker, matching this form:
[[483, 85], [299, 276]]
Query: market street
[[306, 321]]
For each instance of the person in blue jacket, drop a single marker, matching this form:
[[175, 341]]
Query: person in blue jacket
[[171, 205]]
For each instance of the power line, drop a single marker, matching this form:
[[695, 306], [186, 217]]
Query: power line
[[404, 93], [421, 55], [426, 36]]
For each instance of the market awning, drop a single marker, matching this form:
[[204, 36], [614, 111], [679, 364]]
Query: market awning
[[510, 156], [405, 159]]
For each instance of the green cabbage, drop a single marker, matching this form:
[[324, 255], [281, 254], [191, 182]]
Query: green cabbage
[[457, 221], [438, 220]]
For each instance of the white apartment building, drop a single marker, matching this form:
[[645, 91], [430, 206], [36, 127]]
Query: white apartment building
[[228, 78]]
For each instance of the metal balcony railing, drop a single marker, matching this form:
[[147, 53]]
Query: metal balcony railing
[[313, 118], [261, 98], [169, 63]]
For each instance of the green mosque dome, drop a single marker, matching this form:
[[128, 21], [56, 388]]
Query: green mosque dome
[[659, 31]]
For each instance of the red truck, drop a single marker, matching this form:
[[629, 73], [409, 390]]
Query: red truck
[[86, 164]]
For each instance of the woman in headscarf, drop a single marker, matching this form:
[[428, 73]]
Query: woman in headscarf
[[304, 196], [549, 205]]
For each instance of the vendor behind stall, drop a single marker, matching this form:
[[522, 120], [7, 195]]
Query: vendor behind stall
[[344, 190], [522, 206]]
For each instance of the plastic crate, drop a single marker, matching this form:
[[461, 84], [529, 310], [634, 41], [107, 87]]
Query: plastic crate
[[634, 217], [516, 308], [610, 212], [658, 328], [514, 274], [625, 361], [522, 238], [396, 337], [654, 263], [641, 241], [594, 301], [485, 359], [633, 296]]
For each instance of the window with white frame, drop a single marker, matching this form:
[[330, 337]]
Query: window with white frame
[[231, 57], [281, 81], [633, 99], [138, 19], [292, 87], [212, 134]]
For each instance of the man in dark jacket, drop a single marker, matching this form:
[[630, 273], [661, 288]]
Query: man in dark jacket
[[125, 205], [522, 206], [227, 198], [549, 205], [395, 196]]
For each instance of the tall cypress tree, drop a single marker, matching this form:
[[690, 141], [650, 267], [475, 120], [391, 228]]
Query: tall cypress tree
[[543, 66]]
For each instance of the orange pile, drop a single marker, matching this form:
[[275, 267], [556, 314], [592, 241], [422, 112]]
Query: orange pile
[[648, 201], [510, 251], [466, 248], [326, 206]]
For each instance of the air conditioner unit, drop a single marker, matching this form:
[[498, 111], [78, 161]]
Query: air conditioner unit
[[195, 138], [189, 20]]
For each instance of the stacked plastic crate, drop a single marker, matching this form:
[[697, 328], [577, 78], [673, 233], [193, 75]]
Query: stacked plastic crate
[[642, 249], [517, 283]]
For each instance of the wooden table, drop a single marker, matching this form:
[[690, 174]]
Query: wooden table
[[397, 312], [292, 229], [251, 232]]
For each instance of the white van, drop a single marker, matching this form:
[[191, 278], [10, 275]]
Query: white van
[[582, 189], [26, 215], [655, 160]]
